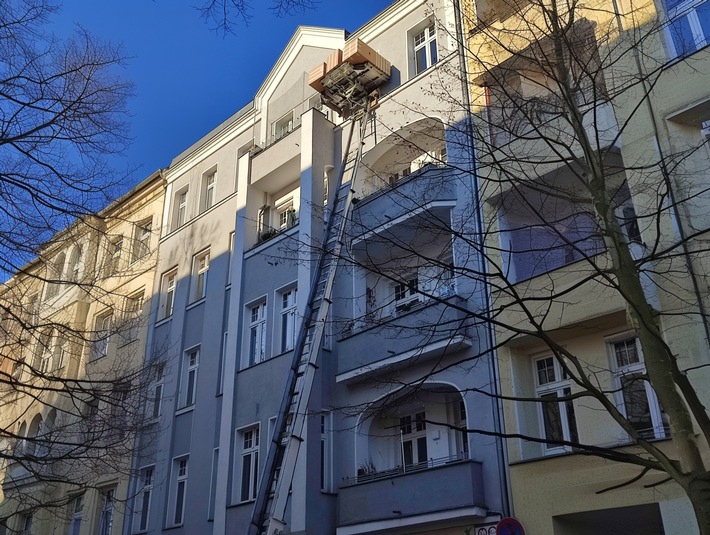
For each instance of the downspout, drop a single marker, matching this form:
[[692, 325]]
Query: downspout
[[667, 180], [494, 371]]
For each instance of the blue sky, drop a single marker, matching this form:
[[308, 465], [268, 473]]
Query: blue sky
[[188, 78]]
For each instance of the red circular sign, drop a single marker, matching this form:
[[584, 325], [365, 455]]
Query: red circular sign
[[509, 526]]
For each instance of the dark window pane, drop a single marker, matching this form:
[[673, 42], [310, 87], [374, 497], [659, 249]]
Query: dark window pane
[[552, 419]]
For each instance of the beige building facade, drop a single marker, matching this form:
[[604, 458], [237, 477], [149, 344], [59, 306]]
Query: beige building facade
[[73, 383], [635, 76]]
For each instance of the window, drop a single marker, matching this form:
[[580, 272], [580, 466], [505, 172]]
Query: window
[[142, 504], [132, 313], [288, 320], [326, 457], [102, 336], [26, 524], [257, 333], [106, 517], [154, 396], [635, 396], [75, 264], [558, 421], [141, 239], [180, 209], [213, 484], [76, 512], [60, 355], [44, 351], [168, 293], [113, 256], [414, 446], [54, 275], [461, 423], [200, 267], [180, 488], [231, 258], [406, 294], [286, 215], [208, 190], [189, 380], [223, 360], [250, 463], [425, 53], [282, 127], [689, 25]]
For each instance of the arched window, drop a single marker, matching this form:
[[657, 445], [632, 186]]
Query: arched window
[[34, 431], [75, 264]]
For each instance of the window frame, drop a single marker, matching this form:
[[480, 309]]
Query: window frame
[[168, 286], [248, 455], [209, 189], [429, 44], [141, 509], [103, 326], [288, 316], [687, 10], [559, 386], [180, 203], [200, 274], [76, 514], [188, 381], [256, 329], [142, 233], [658, 429], [180, 473], [114, 252], [106, 512]]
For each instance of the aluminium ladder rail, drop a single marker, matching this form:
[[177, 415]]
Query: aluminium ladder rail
[[286, 440]]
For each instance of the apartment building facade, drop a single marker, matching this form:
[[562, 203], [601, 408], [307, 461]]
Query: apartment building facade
[[633, 72], [74, 327], [396, 381]]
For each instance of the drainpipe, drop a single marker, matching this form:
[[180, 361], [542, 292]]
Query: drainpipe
[[494, 371]]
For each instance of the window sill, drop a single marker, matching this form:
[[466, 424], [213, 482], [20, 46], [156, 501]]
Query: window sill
[[239, 504], [185, 410], [174, 526], [195, 304], [163, 321]]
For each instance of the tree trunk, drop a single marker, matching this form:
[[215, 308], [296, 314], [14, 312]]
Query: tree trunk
[[698, 491]]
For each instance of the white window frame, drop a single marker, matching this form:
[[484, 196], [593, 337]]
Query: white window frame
[[168, 286], [154, 405], [413, 428], [633, 369], [180, 208], [209, 183], [249, 440], [256, 332], [231, 257], [76, 514], [200, 271], [103, 326], [282, 126], [113, 256], [686, 10], [106, 514], [288, 324], [188, 384], [178, 487], [141, 508], [286, 216], [142, 233], [132, 312], [405, 294], [424, 38], [75, 263], [557, 385], [26, 524]]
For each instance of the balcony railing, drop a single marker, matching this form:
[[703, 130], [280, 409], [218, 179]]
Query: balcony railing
[[365, 475]]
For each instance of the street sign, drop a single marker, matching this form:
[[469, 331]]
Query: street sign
[[510, 526]]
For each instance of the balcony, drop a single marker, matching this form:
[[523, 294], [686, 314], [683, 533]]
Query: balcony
[[423, 198], [277, 165], [448, 484], [426, 330]]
